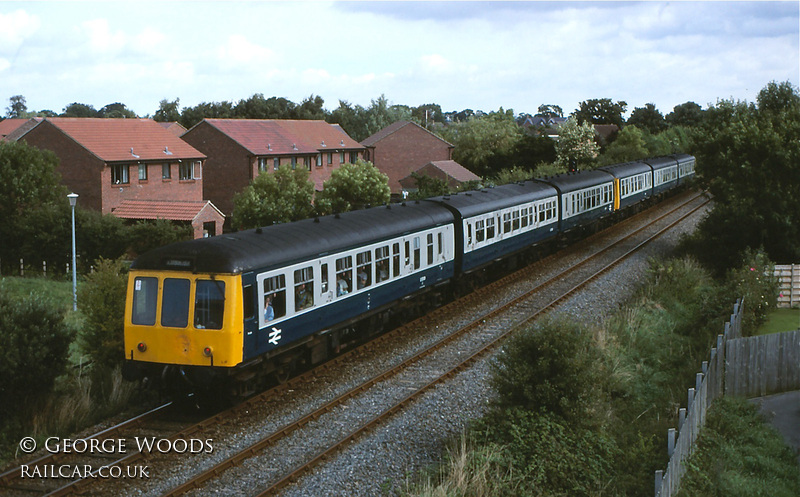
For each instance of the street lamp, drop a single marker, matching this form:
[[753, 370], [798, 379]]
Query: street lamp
[[73, 197]]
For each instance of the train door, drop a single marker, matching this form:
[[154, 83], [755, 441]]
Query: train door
[[250, 314]]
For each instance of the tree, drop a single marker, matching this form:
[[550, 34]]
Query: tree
[[17, 107], [278, 197], [686, 114], [149, 234], [28, 182], [576, 148], [428, 114], [601, 111], [168, 111], [484, 144], [550, 110], [116, 110], [216, 110], [748, 157], [353, 186], [311, 108], [649, 118], [428, 187], [76, 109], [629, 145]]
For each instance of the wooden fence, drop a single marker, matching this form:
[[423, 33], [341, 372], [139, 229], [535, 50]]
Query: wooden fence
[[749, 367], [789, 281]]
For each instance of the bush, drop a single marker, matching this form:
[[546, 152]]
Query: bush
[[102, 300], [34, 342], [146, 235], [553, 367]]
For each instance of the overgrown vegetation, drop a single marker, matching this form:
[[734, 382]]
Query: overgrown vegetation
[[584, 410]]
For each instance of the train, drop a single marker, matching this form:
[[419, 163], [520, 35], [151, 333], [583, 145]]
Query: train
[[242, 309]]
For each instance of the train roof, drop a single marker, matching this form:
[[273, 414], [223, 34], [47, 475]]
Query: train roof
[[477, 202], [570, 182], [661, 162], [626, 169], [284, 244]]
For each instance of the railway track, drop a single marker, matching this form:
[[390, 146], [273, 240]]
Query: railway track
[[473, 337]]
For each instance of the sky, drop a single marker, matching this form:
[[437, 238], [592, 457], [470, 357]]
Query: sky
[[461, 55]]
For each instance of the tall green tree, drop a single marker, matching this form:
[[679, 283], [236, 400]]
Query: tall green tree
[[748, 156], [601, 111], [76, 109], [649, 118], [17, 107], [629, 145], [116, 110], [168, 111], [483, 144], [278, 197], [686, 114], [353, 186]]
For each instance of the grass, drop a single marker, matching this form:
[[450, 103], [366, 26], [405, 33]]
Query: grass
[[59, 292], [781, 320]]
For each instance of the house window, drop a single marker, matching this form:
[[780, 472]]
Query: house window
[[353, 157], [294, 163], [119, 174], [330, 158], [307, 163], [142, 172], [165, 174], [186, 170], [262, 164], [341, 157], [276, 163], [319, 160]]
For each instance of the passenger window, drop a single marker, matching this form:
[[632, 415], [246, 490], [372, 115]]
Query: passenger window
[[382, 264], [364, 261], [175, 303], [417, 253], [490, 228], [515, 220], [507, 222], [479, 231], [324, 278], [274, 297], [430, 248], [209, 304], [524, 219], [396, 260], [145, 301], [303, 288], [344, 277]]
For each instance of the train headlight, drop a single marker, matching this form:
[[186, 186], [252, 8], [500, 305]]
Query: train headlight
[[207, 352], [142, 346]]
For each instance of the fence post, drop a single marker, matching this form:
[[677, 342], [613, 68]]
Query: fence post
[[691, 399], [44, 268], [681, 417], [698, 381], [21, 267], [671, 435], [659, 479]]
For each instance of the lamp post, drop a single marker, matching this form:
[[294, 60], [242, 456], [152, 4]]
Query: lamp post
[[73, 197]]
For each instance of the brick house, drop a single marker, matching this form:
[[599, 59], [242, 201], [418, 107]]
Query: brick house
[[402, 148], [111, 162], [453, 173], [238, 150]]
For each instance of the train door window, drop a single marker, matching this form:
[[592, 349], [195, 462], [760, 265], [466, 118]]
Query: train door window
[[469, 233], [490, 228], [381, 264], [364, 274], [209, 304], [145, 301], [430, 248], [275, 296], [175, 303], [407, 253], [303, 288], [479, 231], [507, 222], [396, 259], [323, 269], [417, 253], [344, 275], [249, 309], [440, 244], [515, 220]]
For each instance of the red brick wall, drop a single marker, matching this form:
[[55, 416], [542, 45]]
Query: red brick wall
[[153, 188], [207, 214], [407, 150], [80, 170], [228, 168]]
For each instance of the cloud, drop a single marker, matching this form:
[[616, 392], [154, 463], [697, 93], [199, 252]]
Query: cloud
[[16, 27], [100, 37], [239, 51]]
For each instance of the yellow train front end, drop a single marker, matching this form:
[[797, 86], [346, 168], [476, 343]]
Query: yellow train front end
[[182, 320]]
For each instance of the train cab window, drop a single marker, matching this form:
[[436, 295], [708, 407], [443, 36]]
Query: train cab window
[[417, 253], [303, 288], [396, 260], [275, 297], [382, 264], [344, 275], [490, 228], [364, 269], [145, 301], [430, 248], [480, 233], [209, 304], [175, 303]]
